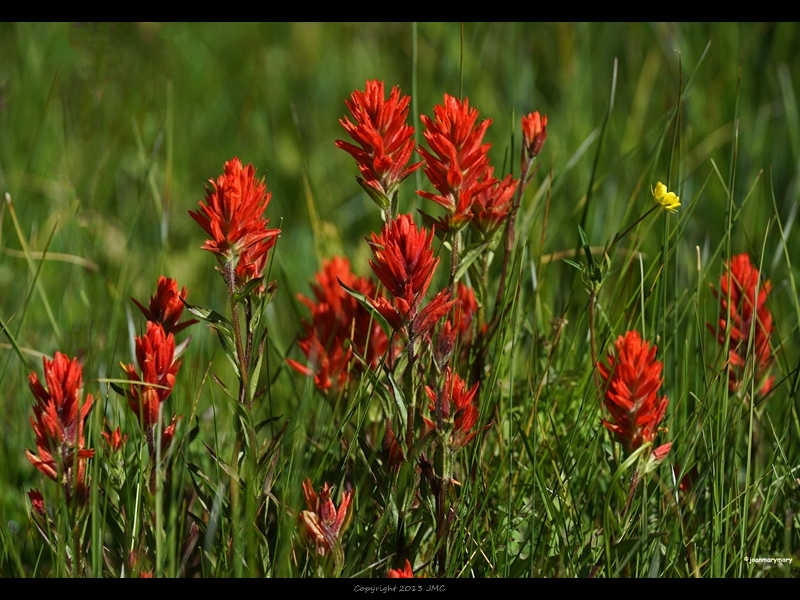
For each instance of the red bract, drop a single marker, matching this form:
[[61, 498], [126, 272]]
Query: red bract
[[233, 217], [115, 440], [323, 523], [37, 502], [632, 380], [750, 321], [155, 353], [404, 573], [534, 132], [337, 317], [386, 141], [165, 307], [404, 263], [491, 205], [60, 414], [465, 415], [457, 160]]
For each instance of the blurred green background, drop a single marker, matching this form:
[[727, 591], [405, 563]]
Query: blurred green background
[[108, 133]]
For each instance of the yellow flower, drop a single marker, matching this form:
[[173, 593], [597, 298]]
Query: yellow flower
[[668, 200]]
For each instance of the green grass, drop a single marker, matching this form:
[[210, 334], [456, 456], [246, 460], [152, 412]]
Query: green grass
[[108, 134]]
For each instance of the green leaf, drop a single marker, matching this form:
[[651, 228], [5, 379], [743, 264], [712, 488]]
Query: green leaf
[[257, 367], [209, 316], [247, 289], [364, 301], [469, 258]]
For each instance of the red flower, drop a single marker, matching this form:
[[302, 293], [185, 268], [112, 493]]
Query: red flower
[[391, 449], [60, 415], [335, 318], [466, 308], [155, 353], [491, 205], [465, 415], [457, 160], [37, 502], [404, 573], [534, 131], [115, 440], [404, 263], [748, 338], [323, 523], [632, 380], [165, 307], [386, 141], [233, 217]]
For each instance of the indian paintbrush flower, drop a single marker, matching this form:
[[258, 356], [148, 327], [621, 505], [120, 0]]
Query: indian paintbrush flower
[[534, 133], [165, 307], [155, 353], [233, 216], [385, 141], [404, 573], [323, 523], [404, 263], [458, 159], [457, 402], [337, 317], [60, 414], [668, 200], [633, 378], [750, 321]]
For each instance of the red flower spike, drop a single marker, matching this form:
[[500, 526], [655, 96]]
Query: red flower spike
[[740, 281], [534, 131], [335, 318], [323, 523], [404, 263], [233, 217], [404, 573], [429, 316], [385, 141], [59, 419], [491, 206], [632, 381], [465, 415], [165, 307], [457, 160], [155, 353]]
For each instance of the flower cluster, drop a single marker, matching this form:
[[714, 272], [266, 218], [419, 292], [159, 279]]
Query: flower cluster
[[405, 573], [60, 414], [464, 413], [385, 141], [324, 524], [632, 381], [337, 317], [460, 328], [233, 216], [404, 263], [165, 307], [744, 296]]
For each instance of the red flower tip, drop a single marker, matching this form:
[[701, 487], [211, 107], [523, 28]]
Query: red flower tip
[[115, 440], [632, 381], [385, 141], [457, 159], [465, 415], [165, 307], [404, 573], [37, 502], [233, 217], [59, 418], [491, 205], [534, 130], [323, 523], [750, 322], [155, 353]]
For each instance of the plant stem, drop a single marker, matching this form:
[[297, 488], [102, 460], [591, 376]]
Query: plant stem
[[244, 386]]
